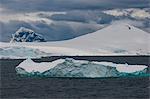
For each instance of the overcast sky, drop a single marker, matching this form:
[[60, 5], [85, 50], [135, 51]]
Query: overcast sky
[[44, 5], [73, 17]]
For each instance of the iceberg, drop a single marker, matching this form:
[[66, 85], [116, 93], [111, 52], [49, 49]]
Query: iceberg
[[78, 68]]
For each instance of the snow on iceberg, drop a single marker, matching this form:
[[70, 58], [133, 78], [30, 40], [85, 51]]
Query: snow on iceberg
[[78, 68], [31, 66], [26, 35]]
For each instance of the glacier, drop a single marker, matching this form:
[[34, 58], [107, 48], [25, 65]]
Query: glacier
[[78, 68], [26, 35], [15, 52]]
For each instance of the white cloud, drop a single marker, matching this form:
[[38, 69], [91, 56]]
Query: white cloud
[[116, 12], [141, 14], [132, 12], [29, 17]]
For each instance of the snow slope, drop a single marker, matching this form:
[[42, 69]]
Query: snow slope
[[78, 68], [116, 39]]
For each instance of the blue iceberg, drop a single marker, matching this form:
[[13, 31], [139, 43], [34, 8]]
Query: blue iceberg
[[79, 68]]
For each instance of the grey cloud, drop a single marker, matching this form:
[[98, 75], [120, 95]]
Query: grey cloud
[[36, 5]]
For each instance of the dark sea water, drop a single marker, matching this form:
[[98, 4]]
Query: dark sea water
[[15, 87]]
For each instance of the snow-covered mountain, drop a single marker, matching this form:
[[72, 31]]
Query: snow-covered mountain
[[116, 39], [26, 35]]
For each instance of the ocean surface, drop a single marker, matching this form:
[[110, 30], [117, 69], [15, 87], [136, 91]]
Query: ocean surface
[[13, 86]]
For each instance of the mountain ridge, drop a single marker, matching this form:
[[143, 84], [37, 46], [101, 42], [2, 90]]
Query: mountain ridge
[[26, 35]]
